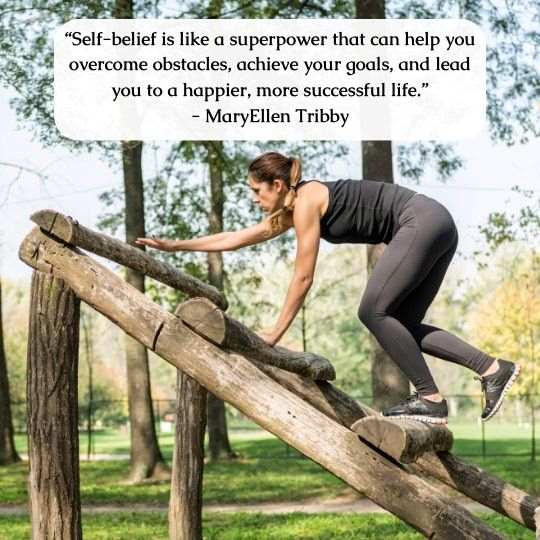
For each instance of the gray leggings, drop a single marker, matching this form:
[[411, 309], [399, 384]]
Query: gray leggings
[[403, 284]]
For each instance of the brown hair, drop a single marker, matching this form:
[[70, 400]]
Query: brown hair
[[271, 165]]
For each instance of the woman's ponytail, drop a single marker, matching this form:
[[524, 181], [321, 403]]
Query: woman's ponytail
[[295, 175]]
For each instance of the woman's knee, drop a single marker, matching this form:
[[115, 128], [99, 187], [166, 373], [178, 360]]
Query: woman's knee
[[367, 314]]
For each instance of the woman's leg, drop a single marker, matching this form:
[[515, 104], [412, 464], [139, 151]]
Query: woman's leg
[[433, 340], [427, 232]]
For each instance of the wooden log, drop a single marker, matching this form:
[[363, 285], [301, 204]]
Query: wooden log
[[403, 439], [464, 477], [53, 437], [71, 231], [185, 503], [205, 318], [239, 382]]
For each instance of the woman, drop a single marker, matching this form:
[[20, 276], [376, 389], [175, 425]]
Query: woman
[[421, 240]]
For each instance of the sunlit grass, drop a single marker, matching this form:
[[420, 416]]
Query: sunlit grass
[[242, 526]]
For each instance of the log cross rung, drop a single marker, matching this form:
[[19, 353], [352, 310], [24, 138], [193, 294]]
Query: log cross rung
[[210, 322], [403, 439]]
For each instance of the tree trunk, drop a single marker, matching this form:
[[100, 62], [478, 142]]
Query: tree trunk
[[185, 505], [53, 438], [8, 453], [388, 383], [146, 458], [218, 438]]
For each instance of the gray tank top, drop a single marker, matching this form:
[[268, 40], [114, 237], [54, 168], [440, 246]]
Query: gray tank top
[[362, 211]]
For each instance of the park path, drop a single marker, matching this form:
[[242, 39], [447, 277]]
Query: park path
[[341, 505]]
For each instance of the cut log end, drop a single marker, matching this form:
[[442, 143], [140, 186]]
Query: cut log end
[[29, 251], [204, 318], [55, 223], [403, 439]]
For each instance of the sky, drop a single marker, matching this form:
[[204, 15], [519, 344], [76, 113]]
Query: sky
[[75, 181]]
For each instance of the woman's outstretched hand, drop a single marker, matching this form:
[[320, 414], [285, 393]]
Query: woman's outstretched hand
[[268, 337], [157, 243]]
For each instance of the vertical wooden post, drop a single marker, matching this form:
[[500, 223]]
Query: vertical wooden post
[[53, 439], [185, 506], [8, 453]]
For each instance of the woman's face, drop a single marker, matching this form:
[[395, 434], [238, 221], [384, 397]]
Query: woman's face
[[268, 196]]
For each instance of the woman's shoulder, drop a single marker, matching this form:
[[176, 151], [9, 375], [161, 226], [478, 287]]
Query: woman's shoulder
[[315, 192], [310, 187]]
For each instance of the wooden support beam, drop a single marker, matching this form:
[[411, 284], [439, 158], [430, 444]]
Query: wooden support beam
[[276, 409], [71, 231], [466, 478], [403, 439], [212, 323], [53, 435], [185, 501]]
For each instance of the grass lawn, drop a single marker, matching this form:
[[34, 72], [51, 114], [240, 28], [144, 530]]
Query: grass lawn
[[501, 438], [295, 526], [263, 473]]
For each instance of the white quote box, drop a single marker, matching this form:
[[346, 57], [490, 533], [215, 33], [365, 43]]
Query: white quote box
[[269, 79]]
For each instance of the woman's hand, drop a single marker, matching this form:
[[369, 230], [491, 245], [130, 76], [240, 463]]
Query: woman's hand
[[269, 337], [157, 243]]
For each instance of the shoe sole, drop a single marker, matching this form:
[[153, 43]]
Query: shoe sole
[[507, 387], [427, 419]]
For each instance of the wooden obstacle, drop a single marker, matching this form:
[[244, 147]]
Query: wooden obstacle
[[403, 439], [70, 231], [313, 416], [205, 318]]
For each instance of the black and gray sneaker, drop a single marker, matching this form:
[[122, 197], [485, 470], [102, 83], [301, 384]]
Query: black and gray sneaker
[[415, 407], [496, 385]]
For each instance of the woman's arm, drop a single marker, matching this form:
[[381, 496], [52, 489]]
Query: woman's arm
[[307, 225], [224, 241]]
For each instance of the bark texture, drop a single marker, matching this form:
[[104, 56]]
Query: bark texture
[[218, 437], [464, 477], [185, 504], [146, 458], [213, 324], [405, 440], [53, 438], [254, 393], [8, 453], [71, 231]]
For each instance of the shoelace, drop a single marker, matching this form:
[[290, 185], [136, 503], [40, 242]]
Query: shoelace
[[482, 380], [412, 397]]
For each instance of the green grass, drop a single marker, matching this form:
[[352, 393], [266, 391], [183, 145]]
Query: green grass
[[501, 437], [262, 473], [294, 526], [116, 442]]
